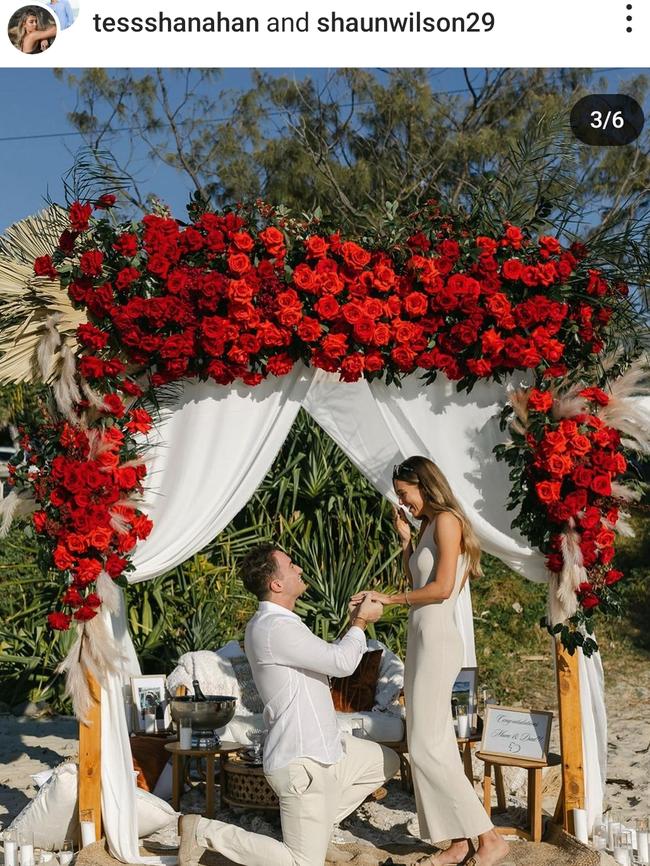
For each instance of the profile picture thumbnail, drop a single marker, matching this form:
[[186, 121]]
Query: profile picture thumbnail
[[32, 29], [65, 11]]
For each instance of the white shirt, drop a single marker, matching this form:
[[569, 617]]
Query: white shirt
[[291, 667]]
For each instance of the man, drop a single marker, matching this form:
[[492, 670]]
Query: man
[[319, 776], [63, 11]]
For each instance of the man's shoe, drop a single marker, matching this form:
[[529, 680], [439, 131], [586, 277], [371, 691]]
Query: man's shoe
[[189, 852]]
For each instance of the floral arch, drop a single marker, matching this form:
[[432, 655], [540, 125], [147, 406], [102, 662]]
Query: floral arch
[[112, 314]]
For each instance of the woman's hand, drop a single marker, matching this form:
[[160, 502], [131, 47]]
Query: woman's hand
[[371, 594], [402, 526]]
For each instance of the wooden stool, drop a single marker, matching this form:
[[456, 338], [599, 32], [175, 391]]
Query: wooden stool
[[178, 765], [534, 768]]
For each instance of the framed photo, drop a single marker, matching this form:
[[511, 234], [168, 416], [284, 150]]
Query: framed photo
[[516, 733], [465, 692], [150, 704]]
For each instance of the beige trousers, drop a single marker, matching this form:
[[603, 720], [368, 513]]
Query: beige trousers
[[312, 798]]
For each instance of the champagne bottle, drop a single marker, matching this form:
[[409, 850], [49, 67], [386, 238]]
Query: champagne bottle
[[198, 694]]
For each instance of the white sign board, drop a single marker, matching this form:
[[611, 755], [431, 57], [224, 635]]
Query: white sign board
[[516, 733]]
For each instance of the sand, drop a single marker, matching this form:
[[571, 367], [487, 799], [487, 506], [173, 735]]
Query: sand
[[28, 746]]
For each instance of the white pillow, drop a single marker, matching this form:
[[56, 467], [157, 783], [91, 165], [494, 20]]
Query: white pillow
[[390, 679], [53, 813]]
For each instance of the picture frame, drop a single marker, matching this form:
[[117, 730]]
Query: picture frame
[[465, 691], [149, 692], [516, 732]]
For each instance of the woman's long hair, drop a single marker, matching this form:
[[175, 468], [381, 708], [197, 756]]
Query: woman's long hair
[[438, 496], [21, 31]]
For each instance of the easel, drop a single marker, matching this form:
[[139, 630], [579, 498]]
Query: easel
[[572, 795]]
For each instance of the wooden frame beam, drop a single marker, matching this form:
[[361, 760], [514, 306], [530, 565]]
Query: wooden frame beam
[[90, 757], [572, 795]]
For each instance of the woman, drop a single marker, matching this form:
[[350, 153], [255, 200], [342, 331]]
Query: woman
[[32, 36], [447, 553]]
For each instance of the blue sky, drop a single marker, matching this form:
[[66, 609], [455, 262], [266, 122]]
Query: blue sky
[[35, 152]]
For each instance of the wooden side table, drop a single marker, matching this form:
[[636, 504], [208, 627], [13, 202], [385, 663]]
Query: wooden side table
[[465, 746], [534, 768], [178, 765]]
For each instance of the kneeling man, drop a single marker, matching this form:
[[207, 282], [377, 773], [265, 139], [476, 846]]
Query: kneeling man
[[319, 775]]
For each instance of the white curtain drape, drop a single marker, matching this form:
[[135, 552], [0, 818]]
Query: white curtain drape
[[209, 453]]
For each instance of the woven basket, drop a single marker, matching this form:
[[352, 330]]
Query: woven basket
[[246, 786]]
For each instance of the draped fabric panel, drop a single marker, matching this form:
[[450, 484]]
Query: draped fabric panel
[[210, 451]]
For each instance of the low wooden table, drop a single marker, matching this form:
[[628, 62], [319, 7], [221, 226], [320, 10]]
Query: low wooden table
[[178, 764], [245, 786], [534, 768]]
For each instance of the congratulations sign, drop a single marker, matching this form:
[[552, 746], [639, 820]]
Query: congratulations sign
[[517, 733]]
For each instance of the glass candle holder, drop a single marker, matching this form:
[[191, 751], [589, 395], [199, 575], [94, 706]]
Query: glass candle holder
[[25, 848], [185, 733], [614, 822], [66, 852], [622, 847], [10, 840], [463, 721], [642, 829], [358, 727], [599, 837]]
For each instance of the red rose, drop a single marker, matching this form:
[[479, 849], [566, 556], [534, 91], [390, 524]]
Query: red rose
[[44, 267], [85, 613], [554, 562], [589, 600], [79, 215], [512, 269], [62, 559], [72, 597], [59, 621], [335, 345], [309, 330], [416, 304], [580, 444], [67, 240], [127, 245], [548, 491], [87, 570], [540, 401], [602, 485], [91, 337], [243, 241], [514, 236], [139, 421], [364, 330], [327, 307], [39, 519], [354, 255], [113, 405], [352, 367], [352, 312], [613, 576], [280, 364], [596, 395], [582, 476], [316, 247], [373, 362], [105, 201], [559, 464], [91, 263], [239, 263], [404, 358], [126, 276], [115, 565]]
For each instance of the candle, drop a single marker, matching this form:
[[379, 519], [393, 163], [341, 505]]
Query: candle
[[10, 852], [642, 844], [27, 854], [580, 825], [612, 828], [87, 833], [65, 858], [185, 734], [463, 727], [149, 723]]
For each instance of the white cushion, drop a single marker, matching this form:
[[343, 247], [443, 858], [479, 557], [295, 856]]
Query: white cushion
[[380, 727], [390, 678], [52, 815], [153, 813]]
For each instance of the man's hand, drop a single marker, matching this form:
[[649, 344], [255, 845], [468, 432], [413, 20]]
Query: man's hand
[[370, 610], [372, 594]]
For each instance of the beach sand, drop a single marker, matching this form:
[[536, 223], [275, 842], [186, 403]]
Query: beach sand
[[28, 746]]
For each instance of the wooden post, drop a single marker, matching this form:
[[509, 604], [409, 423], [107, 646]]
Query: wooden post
[[90, 758], [568, 692]]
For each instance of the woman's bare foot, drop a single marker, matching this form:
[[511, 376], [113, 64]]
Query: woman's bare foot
[[492, 848], [455, 854]]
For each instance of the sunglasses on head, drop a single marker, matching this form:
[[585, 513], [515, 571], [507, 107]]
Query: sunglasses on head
[[406, 466]]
